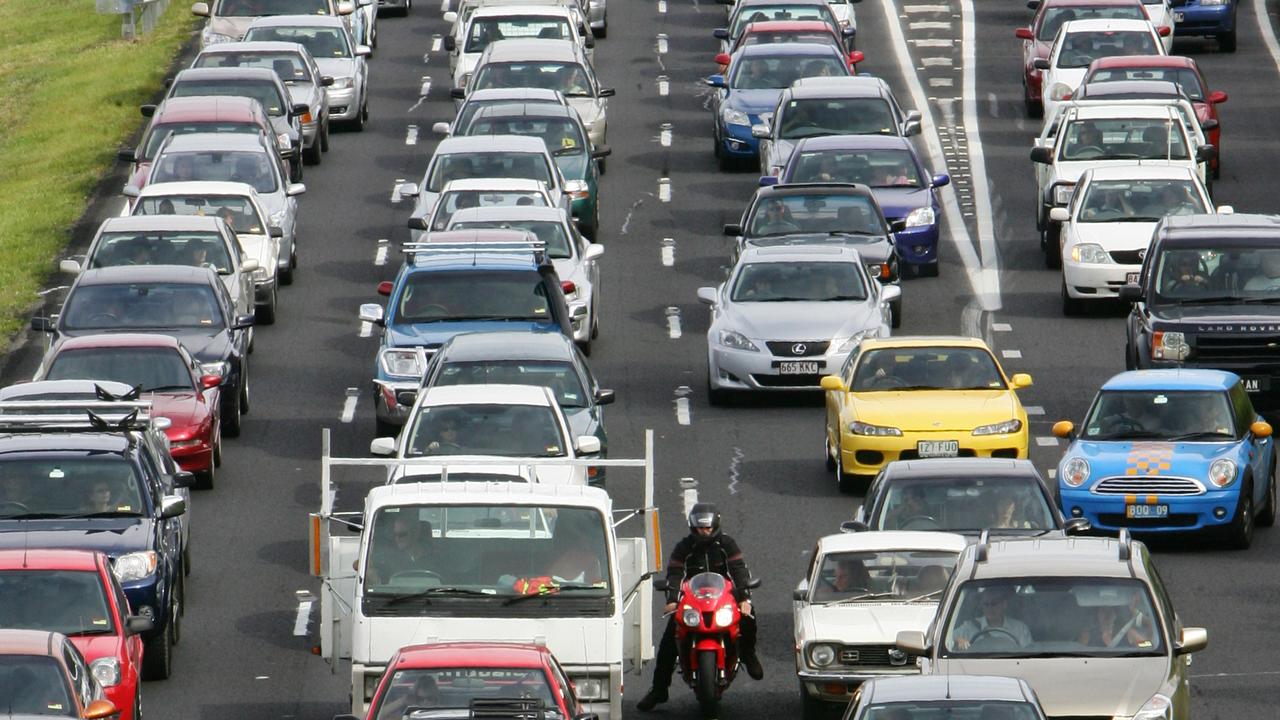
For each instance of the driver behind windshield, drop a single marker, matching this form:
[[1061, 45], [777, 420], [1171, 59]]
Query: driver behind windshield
[[911, 505], [993, 621], [409, 549], [851, 577]]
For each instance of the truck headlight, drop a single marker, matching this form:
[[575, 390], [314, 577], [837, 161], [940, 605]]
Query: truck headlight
[[737, 341], [1000, 428], [821, 655], [921, 217], [1075, 472], [371, 685], [591, 689], [1062, 193], [860, 428], [401, 362], [1158, 707], [135, 566], [724, 616], [734, 117], [106, 671], [1169, 346], [1089, 254], [690, 617], [1222, 472]]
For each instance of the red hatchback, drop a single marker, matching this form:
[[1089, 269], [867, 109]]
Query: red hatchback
[[450, 680], [169, 377], [73, 593], [1050, 16], [778, 31], [1182, 71]]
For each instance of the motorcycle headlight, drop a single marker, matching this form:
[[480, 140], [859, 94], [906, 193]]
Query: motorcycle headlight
[[821, 655], [106, 671], [1060, 91], [212, 38], [1169, 346], [860, 428], [401, 363], [690, 617], [1000, 428], [724, 616], [737, 341], [1158, 707], [219, 368], [734, 117], [1222, 472], [1062, 193], [343, 83], [1075, 472], [1090, 254], [921, 217], [135, 566]]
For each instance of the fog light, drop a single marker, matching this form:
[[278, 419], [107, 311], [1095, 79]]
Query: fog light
[[1219, 513], [920, 249], [1077, 512], [834, 689]]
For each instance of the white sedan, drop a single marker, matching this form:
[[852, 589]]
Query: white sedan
[[860, 591], [1080, 42]]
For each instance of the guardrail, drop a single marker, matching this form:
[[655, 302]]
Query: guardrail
[[138, 16]]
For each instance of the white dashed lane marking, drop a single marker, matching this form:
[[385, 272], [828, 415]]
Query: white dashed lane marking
[[664, 189], [668, 252], [436, 42], [1002, 327], [349, 405], [395, 190], [1033, 410], [673, 323], [683, 415], [1011, 354], [411, 135], [366, 328], [1048, 441]]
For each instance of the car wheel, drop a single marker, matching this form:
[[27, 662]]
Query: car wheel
[[137, 703], [826, 450], [1227, 41], [1267, 515], [1049, 244], [157, 657], [285, 275], [178, 608], [205, 478], [925, 269], [217, 448], [1035, 108], [231, 416], [324, 135], [266, 314], [186, 567], [1240, 532], [895, 314], [717, 396], [595, 322], [848, 484], [1071, 307], [408, 5], [312, 155]]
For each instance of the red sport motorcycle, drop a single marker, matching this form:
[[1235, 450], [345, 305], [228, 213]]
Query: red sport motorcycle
[[707, 618]]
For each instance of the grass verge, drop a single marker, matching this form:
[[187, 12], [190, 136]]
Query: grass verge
[[69, 94]]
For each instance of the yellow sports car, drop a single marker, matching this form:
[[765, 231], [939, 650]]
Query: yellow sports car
[[920, 397]]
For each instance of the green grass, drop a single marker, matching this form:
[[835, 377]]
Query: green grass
[[69, 94]]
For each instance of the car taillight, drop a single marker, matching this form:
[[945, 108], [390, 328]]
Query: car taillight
[[568, 287]]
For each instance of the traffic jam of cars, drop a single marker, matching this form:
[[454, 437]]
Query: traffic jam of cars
[[492, 569]]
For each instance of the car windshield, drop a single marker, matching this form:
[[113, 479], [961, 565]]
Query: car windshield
[[1160, 415], [434, 689], [237, 211], [562, 135], [460, 296], [836, 116], [255, 8], [72, 602], [1184, 78], [766, 72], [552, 234], [471, 107], [794, 281], [1124, 139], [570, 79], [765, 13], [952, 710], [927, 368], [1052, 617], [1218, 274], [252, 168], [792, 214], [470, 552], [471, 165], [453, 201], [560, 376], [142, 305], [288, 65], [321, 42], [965, 504], [877, 168], [489, 29], [155, 369], [264, 92], [1139, 200], [1083, 47], [486, 429], [104, 484], [1055, 17], [193, 248], [34, 685], [770, 37], [159, 133], [882, 575]]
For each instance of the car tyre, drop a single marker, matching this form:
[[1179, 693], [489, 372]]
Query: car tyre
[[585, 347], [1035, 108], [1266, 517], [231, 417], [1049, 244], [1227, 41], [157, 656], [603, 32], [895, 314], [811, 708], [1240, 532], [1071, 307], [831, 466], [285, 275], [266, 314], [217, 447], [324, 135], [205, 478], [848, 484], [244, 391], [178, 608], [925, 269], [137, 703], [313, 154]]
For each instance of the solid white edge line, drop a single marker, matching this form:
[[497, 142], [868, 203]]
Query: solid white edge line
[[304, 615], [978, 160], [1011, 354], [1046, 441], [1261, 17]]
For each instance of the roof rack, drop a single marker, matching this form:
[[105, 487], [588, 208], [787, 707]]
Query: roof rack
[[1126, 545], [109, 413], [983, 547], [537, 248]]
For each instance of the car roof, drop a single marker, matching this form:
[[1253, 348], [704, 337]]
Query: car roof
[[48, 559], [473, 655], [63, 443], [922, 341], [1140, 172], [500, 393], [1173, 379], [491, 144], [214, 142], [832, 188], [851, 86], [508, 345], [226, 73], [799, 253], [1233, 226], [961, 467], [29, 642], [516, 108], [1158, 108], [119, 340], [488, 10], [298, 21], [533, 50], [121, 274], [498, 493], [926, 688], [805, 49], [542, 95], [1141, 61], [855, 142], [156, 223], [1049, 557], [207, 108], [252, 46], [495, 184], [1104, 25], [198, 187], [891, 540], [509, 213]]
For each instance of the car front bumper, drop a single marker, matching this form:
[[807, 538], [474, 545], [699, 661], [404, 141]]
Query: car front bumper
[[343, 103], [918, 245], [731, 369], [144, 599], [264, 289], [1095, 281], [838, 687], [1186, 513], [867, 455], [310, 131], [596, 12], [123, 694], [1205, 19], [194, 458], [736, 141]]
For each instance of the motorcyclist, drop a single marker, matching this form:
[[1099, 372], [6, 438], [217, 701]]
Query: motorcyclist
[[704, 549]]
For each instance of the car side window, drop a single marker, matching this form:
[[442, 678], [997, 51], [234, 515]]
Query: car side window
[[122, 600], [155, 478], [1162, 599], [80, 678], [566, 688], [846, 372]]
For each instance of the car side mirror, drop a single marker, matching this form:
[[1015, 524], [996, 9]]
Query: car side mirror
[[372, 313], [587, 445], [408, 190], [1040, 63], [275, 231], [449, 43], [1260, 429], [299, 109], [1130, 292], [716, 81], [183, 478], [458, 93], [912, 641], [1024, 33], [1076, 526], [801, 593], [605, 397], [910, 128], [363, 51], [608, 92], [1064, 429], [833, 383], [897, 226], [707, 295], [100, 710], [200, 9], [1033, 5], [41, 324], [889, 293], [1059, 214], [1193, 639], [1217, 96], [248, 266], [209, 382], [760, 130], [130, 191], [1020, 381], [940, 180], [1209, 124], [295, 189], [450, 17], [721, 59], [1042, 155], [418, 223], [732, 229], [589, 42], [126, 155], [385, 287], [138, 624], [242, 322], [853, 526], [172, 506], [346, 7], [594, 251], [441, 129], [70, 267], [1164, 31], [856, 56], [768, 180], [1205, 153], [383, 446], [720, 33]]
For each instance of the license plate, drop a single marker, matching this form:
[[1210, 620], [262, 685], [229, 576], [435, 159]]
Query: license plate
[[938, 448], [1177, 17], [798, 368], [1137, 512], [1257, 384], [1131, 278]]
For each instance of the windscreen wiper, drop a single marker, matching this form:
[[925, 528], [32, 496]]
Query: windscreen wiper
[[424, 594], [550, 590], [863, 596]]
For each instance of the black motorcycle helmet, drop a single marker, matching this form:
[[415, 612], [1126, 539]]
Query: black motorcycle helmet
[[704, 514]]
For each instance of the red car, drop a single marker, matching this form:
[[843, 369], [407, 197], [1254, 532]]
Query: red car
[[170, 378], [193, 114], [74, 592], [1177, 69], [776, 31], [45, 676], [1050, 16], [461, 676]]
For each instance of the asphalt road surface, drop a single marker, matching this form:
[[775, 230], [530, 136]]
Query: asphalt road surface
[[761, 461]]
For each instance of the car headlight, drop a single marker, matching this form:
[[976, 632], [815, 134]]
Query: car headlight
[[135, 566], [219, 368], [821, 655], [1090, 254], [1000, 428], [277, 218], [734, 117], [737, 341], [106, 671], [921, 217], [724, 616], [401, 362], [1158, 707], [1213, 2], [1222, 472], [1075, 471], [343, 83], [284, 140], [1060, 91], [690, 617], [590, 689], [858, 427], [211, 38], [190, 442], [1169, 346], [262, 274], [846, 345], [1062, 193]]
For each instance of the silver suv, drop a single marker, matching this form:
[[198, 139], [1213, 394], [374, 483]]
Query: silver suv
[[1087, 622]]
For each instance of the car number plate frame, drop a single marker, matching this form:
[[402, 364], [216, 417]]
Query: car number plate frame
[[938, 448], [1131, 278], [798, 367], [1146, 512]]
